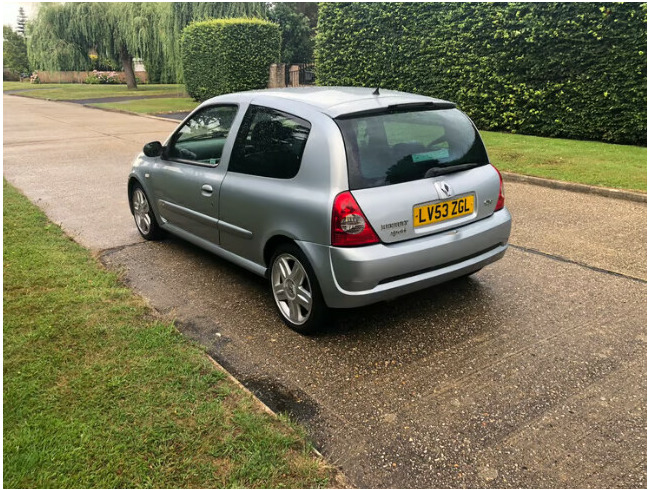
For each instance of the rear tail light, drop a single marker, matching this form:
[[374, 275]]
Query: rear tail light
[[501, 202], [350, 228]]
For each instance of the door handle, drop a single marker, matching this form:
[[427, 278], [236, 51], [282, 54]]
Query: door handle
[[206, 190]]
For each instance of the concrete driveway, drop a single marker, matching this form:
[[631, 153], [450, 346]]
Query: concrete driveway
[[530, 374]]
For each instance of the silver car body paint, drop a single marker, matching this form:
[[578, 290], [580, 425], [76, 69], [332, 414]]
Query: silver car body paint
[[237, 216]]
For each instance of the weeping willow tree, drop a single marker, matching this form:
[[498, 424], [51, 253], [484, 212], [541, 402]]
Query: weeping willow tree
[[53, 41], [63, 34], [164, 64]]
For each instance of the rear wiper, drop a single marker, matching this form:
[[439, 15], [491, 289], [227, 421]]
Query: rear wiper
[[443, 170]]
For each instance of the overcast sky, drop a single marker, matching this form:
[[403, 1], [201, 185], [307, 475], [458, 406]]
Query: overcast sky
[[10, 11]]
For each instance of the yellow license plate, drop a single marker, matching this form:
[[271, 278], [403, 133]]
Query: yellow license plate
[[442, 211]]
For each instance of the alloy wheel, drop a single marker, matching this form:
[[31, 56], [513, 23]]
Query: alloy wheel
[[291, 289], [141, 211]]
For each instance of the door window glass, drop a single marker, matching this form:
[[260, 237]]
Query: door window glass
[[202, 138], [270, 143]]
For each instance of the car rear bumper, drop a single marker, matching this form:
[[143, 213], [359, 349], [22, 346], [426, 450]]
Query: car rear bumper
[[351, 277]]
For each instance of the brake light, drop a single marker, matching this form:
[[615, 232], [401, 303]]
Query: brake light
[[350, 228], [501, 202]]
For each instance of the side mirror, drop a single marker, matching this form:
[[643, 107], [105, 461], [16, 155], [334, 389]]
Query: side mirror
[[153, 149]]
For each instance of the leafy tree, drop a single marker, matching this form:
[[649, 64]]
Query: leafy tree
[[310, 10], [163, 61], [49, 46], [63, 35], [21, 21], [297, 39], [14, 51]]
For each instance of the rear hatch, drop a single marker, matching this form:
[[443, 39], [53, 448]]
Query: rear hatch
[[418, 169]]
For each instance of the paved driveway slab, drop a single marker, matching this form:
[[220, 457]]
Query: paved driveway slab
[[73, 162], [593, 230], [530, 374]]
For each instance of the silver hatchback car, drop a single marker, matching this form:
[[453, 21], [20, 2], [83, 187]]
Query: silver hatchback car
[[340, 196]]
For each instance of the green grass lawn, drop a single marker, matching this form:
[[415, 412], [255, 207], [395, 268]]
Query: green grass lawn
[[98, 393], [152, 106], [71, 91], [584, 162]]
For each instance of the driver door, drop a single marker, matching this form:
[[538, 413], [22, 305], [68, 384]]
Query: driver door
[[188, 177]]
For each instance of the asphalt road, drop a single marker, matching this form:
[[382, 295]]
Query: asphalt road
[[530, 374]]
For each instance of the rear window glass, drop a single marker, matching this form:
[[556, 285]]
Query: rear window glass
[[394, 147]]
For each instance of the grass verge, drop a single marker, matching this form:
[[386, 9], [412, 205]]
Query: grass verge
[[152, 106], [99, 394], [72, 91], [583, 162]]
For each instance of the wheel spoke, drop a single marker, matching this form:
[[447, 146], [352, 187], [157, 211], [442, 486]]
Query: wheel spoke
[[294, 312], [280, 292], [304, 299], [298, 274], [284, 267], [144, 205], [143, 222]]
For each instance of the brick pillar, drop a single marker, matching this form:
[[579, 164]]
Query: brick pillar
[[276, 75], [294, 76]]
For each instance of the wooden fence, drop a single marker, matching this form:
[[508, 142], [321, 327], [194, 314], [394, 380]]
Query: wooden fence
[[80, 76]]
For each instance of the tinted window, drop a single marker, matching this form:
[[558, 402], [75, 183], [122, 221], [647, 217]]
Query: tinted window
[[202, 138], [270, 143], [394, 147]]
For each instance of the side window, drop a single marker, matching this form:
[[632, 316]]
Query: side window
[[202, 138], [270, 143]]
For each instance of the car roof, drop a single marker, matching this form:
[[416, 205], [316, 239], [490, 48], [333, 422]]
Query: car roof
[[335, 101]]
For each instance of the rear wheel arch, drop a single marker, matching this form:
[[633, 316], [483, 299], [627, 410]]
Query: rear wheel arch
[[272, 245]]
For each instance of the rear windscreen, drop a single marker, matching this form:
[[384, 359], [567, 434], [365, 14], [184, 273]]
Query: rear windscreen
[[394, 147]]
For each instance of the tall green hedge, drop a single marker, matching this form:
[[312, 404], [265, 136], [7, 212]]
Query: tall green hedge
[[228, 55], [574, 70]]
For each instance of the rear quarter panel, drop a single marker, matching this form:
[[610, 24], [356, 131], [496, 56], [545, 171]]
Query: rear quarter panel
[[255, 209]]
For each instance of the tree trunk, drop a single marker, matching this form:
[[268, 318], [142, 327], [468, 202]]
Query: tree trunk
[[127, 64]]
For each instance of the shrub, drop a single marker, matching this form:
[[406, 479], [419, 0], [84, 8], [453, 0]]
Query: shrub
[[228, 55], [574, 70], [102, 77]]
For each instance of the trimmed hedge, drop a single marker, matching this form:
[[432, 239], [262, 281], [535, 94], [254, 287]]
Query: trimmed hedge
[[573, 70], [228, 55]]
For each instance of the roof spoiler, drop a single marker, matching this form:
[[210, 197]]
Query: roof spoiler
[[407, 107]]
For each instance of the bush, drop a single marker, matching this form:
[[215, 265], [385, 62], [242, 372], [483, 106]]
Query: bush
[[102, 77], [228, 55], [574, 70]]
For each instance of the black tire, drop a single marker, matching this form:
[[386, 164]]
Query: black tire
[[145, 220], [296, 291]]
